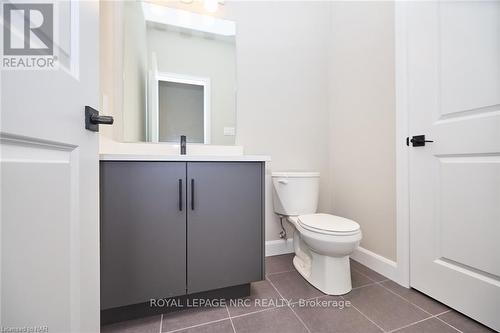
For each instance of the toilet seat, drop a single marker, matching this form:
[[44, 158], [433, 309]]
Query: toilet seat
[[328, 224]]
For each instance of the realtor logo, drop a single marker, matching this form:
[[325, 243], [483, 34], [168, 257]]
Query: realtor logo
[[28, 36]]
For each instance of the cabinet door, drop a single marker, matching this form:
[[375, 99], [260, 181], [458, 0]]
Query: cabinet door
[[143, 231], [224, 224]]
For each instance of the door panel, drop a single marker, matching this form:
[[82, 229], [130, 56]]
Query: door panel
[[468, 37], [49, 262], [225, 226], [463, 181], [454, 99], [143, 232], [28, 170]]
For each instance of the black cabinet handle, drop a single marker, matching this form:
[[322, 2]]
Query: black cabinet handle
[[180, 195], [192, 194]]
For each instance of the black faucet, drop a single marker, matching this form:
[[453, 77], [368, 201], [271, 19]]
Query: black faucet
[[183, 145]]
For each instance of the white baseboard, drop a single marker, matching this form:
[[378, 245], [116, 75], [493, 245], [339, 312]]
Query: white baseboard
[[280, 246], [379, 264]]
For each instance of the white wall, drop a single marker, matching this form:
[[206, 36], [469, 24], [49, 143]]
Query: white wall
[[362, 110], [282, 107], [110, 67]]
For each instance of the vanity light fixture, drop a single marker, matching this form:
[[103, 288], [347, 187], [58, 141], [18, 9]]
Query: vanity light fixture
[[211, 6]]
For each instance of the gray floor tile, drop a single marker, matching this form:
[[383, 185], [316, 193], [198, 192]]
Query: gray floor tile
[[431, 325], [389, 311], [292, 286], [358, 279], [262, 296], [278, 320], [190, 317], [330, 317], [223, 326], [464, 323], [281, 263], [367, 271], [425, 302], [143, 325]]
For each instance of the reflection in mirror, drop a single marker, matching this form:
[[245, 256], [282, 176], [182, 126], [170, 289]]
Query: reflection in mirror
[[179, 72], [181, 112]]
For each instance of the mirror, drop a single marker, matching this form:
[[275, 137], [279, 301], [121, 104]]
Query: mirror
[[179, 75]]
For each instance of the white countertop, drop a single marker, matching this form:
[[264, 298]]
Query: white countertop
[[111, 150], [198, 158]]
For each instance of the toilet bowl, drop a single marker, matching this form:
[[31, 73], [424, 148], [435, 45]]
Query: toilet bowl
[[322, 242]]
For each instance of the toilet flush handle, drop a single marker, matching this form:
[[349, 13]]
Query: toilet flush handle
[[283, 181]]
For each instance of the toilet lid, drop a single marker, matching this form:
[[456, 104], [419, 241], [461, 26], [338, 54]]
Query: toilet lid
[[327, 222]]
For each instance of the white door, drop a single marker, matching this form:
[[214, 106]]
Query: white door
[[49, 260], [453, 64]]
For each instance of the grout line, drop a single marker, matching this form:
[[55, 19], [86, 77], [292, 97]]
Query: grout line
[[364, 285], [359, 272], [161, 322], [280, 272], [231, 320], [288, 304], [411, 324], [258, 311], [272, 285], [366, 275], [442, 313], [197, 325], [422, 309], [310, 299], [301, 321], [437, 317], [370, 278], [407, 300], [361, 287], [369, 319], [425, 319]]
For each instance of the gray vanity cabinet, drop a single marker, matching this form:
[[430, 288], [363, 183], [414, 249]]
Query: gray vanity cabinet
[[176, 228], [143, 231], [224, 244]]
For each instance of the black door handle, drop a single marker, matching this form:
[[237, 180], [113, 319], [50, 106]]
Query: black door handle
[[417, 141], [93, 119], [180, 195], [192, 194], [103, 120]]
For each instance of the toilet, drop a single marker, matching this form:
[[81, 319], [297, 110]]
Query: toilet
[[322, 242]]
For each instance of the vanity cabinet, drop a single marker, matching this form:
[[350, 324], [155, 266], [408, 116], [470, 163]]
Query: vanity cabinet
[[177, 228], [143, 232], [224, 238]]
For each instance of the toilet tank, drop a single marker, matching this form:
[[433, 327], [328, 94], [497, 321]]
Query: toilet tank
[[295, 193]]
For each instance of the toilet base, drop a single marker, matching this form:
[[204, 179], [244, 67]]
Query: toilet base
[[331, 275]]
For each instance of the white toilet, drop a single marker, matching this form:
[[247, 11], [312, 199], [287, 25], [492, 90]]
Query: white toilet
[[322, 242]]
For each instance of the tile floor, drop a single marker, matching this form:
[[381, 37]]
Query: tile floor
[[376, 305]]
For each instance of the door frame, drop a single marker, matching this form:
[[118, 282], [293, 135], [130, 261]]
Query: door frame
[[184, 79], [402, 151]]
